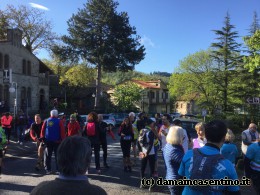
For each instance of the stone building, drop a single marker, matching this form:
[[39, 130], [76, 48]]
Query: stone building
[[154, 96], [24, 80]]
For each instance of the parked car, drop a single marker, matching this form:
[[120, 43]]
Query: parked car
[[119, 117], [189, 125], [84, 119], [175, 115], [109, 119]]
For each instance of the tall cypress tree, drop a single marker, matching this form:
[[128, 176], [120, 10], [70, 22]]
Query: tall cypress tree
[[226, 55], [103, 37]]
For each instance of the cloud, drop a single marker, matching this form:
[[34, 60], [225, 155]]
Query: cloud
[[147, 41], [37, 6]]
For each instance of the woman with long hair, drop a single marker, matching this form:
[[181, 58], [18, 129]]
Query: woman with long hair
[[126, 136]]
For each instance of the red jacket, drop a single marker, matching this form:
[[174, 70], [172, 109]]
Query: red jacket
[[73, 128], [6, 121]]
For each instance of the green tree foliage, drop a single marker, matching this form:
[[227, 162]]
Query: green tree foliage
[[37, 31], [127, 96], [226, 55], [3, 26], [193, 80], [103, 37], [79, 75], [252, 62]]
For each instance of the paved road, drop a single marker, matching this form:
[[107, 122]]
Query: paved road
[[19, 176]]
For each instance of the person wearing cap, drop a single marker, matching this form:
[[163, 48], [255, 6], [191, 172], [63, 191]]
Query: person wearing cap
[[73, 127], [147, 153]]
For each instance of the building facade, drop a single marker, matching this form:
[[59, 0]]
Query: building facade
[[24, 83], [154, 96]]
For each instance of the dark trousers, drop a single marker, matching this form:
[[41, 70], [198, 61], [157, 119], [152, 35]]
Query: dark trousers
[[151, 159], [96, 147], [7, 133], [104, 148], [126, 147], [50, 148]]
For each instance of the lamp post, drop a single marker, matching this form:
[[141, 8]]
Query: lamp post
[[93, 95], [13, 89]]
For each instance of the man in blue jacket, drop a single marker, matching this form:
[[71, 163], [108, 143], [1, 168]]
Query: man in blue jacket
[[207, 163]]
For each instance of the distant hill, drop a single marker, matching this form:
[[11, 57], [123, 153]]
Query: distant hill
[[113, 78]]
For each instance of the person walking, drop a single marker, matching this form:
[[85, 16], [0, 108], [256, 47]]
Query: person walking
[[92, 131], [173, 154], [6, 122], [104, 130], [53, 133], [73, 127], [72, 179], [35, 133], [229, 149], [2, 147], [20, 124], [200, 141], [252, 164], [126, 136], [146, 148], [136, 133], [249, 136], [207, 163]]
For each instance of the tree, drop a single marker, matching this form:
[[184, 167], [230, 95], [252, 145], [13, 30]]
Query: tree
[[37, 31], [78, 75], [103, 37], [127, 96], [226, 55], [3, 26], [252, 62], [193, 78]]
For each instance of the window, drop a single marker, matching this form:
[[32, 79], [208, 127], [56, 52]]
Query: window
[[166, 95], [6, 62], [152, 95], [181, 105], [24, 66], [1, 61], [28, 67], [23, 98], [29, 97]]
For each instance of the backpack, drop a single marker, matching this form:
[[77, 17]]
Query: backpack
[[202, 168], [142, 139], [91, 129]]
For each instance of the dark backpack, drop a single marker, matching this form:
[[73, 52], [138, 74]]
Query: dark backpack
[[142, 139], [202, 168], [91, 129]]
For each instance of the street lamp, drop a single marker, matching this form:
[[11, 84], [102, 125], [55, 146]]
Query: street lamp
[[93, 95], [13, 89]]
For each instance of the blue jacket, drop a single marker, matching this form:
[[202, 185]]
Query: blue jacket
[[229, 151], [173, 155]]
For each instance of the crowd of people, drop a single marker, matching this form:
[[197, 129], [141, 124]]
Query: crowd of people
[[212, 155]]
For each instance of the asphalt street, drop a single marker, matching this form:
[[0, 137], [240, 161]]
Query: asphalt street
[[19, 176]]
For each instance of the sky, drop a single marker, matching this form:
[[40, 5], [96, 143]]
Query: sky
[[170, 30]]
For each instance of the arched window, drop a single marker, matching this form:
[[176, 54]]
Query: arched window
[[1, 61], [6, 62], [23, 98], [24, 66], [28, 67], [6, 95], [29, 97]]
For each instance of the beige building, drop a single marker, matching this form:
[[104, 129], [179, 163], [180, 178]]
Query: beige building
[[187, 104], [155, 96], [24, 80]]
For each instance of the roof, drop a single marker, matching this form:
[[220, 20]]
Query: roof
[[157, 84]]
